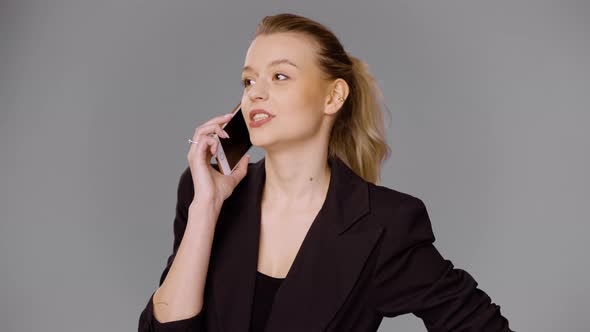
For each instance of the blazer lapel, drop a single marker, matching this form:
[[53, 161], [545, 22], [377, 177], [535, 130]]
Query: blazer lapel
[[324, 270]]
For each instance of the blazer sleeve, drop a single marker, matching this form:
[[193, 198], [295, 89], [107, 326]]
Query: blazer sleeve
[[411, 276], [147, 320]]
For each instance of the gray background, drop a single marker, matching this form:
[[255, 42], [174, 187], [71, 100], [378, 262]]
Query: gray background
[[490, 115]]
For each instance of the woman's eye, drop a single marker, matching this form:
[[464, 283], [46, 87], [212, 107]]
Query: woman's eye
[[245, 82], [280, 74]]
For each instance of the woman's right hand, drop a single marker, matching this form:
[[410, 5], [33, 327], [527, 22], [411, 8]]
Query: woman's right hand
[[209, 184]]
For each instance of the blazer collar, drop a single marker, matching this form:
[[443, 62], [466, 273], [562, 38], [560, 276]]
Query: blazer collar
[[324, 270], [347, 198]]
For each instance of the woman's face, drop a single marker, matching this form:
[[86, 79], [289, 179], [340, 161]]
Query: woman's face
[[282, 77]]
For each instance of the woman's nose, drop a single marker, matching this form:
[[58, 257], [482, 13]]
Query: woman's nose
[[258, 91]]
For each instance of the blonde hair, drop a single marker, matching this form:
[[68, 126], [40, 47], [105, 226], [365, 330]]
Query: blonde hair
[[358, 134]]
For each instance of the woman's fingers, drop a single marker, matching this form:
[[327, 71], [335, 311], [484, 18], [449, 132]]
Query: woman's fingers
[[242, 168], [219, 119], [206, 141], [201, 150], [213, 126], [210, 129]]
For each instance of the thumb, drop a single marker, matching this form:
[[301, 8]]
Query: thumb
[[242, 168]]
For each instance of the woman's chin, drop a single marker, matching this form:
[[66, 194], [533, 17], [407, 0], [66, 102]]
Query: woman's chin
[[263, 142], [261, 139]]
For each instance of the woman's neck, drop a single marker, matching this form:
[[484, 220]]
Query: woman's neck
[[295, 182]]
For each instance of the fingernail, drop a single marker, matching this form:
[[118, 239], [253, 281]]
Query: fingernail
[[226, 134], [228, 115]]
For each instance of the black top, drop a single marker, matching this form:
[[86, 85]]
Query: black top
[[265, 289]]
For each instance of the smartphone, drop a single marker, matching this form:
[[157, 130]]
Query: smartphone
[[232, 149]]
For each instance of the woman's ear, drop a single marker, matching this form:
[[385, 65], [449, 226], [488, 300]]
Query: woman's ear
[[337, 96]]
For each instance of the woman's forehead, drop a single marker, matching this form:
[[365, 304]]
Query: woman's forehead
[[281, 48]]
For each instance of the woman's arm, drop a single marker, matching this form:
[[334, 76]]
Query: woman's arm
[[181, 294], [178, 304], [412, 276]]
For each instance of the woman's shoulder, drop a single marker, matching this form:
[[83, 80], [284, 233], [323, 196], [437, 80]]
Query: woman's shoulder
[[399, 211], [390, 198]]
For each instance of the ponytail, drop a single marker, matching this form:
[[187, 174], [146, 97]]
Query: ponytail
[[358, 135]]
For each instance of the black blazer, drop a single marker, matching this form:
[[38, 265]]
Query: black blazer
[[368, 254]]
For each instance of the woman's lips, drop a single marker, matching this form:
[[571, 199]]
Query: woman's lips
[[256, 124]]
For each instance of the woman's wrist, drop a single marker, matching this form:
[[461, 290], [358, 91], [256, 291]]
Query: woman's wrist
[[206, 204]]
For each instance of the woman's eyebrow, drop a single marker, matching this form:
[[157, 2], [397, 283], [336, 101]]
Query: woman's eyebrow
[[273, 63]]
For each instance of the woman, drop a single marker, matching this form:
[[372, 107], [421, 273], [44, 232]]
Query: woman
[[304, 239]]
